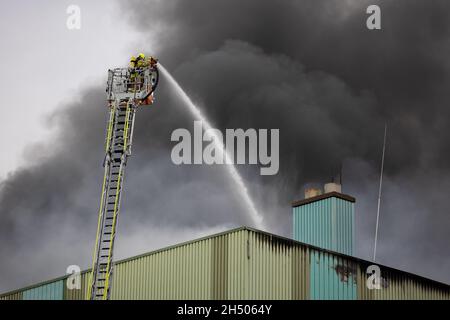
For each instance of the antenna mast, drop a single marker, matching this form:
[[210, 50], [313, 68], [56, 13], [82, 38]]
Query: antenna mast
[[379, 194]]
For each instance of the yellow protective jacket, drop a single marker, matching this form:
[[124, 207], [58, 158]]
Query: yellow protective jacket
[[142, 63]]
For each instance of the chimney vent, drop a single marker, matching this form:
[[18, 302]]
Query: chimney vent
[[332, 187], [312, 192]]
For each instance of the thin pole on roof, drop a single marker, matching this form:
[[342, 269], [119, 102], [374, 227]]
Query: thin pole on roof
[[379, 194]]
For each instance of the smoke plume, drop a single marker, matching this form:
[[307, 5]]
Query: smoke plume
[[309, 68]]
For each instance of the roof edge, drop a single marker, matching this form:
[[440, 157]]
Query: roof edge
[[323, 196]]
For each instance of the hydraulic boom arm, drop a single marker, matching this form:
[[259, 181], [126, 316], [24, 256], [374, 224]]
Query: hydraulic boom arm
[[127, 89]]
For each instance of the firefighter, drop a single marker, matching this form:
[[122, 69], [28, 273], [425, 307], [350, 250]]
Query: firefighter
[[133, 73], [136, 74], [139, 64], [133, 62], [140, 60]]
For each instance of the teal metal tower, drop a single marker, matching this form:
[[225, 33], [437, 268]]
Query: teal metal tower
[[326, 221]]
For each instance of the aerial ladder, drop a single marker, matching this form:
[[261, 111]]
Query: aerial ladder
[[127, 89]]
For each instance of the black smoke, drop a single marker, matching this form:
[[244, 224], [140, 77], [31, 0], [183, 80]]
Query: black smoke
[[311, 69]]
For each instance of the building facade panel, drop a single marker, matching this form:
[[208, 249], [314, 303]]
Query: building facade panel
[[49, 291], [18, 295], [398, 285], [332, 277], [181, 272], [77, 293]]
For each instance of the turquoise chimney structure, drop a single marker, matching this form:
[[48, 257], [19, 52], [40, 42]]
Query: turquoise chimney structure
[[326, 220]]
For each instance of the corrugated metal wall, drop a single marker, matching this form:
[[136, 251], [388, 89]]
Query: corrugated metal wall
[[49, 291], [219, 266], [271, 267], [77, 294], [18, 295], [236, 265], [244, 264], [327, 223], [332, 277], [182, 272], [397, 285]]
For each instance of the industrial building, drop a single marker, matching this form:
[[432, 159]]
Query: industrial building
[[245, 263]]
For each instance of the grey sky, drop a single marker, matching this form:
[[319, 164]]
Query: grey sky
[[44, 64]]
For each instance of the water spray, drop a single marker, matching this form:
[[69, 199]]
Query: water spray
[[250, 206]]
